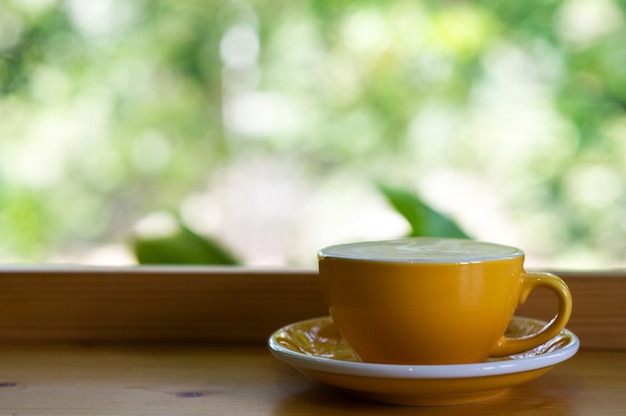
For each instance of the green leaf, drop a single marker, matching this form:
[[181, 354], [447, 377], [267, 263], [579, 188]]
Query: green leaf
[[182, 248], [424, 221]]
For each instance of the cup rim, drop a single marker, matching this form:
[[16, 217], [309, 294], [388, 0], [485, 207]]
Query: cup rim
[[349, 251]]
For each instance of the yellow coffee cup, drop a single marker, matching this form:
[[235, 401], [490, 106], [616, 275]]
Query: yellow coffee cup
[[433, 300]]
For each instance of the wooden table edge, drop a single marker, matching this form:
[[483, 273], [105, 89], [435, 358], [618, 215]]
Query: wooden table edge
[[236, 305]]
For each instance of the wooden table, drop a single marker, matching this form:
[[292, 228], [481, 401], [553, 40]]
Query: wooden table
[[155, 341]]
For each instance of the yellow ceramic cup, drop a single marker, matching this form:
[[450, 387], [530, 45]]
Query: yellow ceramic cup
[[433, 300]]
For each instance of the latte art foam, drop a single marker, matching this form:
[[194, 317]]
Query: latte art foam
[[422, 250]]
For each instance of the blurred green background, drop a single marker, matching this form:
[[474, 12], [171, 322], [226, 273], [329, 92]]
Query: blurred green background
[[267, 125]]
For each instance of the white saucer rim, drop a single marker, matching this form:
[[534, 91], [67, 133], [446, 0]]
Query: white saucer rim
[[448, 371]]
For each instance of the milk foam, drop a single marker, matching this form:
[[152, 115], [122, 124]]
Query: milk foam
[[422, 250]]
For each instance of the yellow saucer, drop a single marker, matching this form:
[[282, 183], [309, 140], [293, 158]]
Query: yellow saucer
[[315, 347]]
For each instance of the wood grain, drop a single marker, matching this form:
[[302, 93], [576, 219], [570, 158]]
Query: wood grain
[[148, 304], [163, 341], [79, 380], [230, 305]]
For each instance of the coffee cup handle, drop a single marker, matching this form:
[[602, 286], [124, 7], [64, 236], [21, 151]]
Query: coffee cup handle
[[508, 346]]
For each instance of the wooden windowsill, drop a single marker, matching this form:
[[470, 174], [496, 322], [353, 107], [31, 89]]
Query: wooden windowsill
[[230, 305], [186, 341]]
